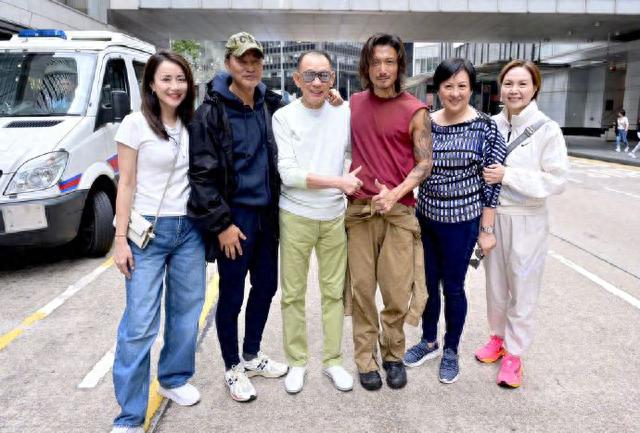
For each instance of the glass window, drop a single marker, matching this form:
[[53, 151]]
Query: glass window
[[115, 78], [45, 84], [138, 68]]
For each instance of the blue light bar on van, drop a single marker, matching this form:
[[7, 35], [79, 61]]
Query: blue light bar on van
[[43, 33]]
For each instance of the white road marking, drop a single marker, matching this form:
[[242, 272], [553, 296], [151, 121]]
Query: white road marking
[[99, 370], [599, 281], [73, 289], [59, 300], [622, 192]]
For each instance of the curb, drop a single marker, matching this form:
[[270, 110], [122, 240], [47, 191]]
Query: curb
[[580, 154]]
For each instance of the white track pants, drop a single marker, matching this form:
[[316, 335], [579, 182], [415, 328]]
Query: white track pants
[[514, 277]]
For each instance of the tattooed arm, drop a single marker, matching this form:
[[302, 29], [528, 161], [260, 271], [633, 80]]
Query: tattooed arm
[[420, 130]]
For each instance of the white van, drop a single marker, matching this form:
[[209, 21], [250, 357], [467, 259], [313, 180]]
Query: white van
[[62, 95]]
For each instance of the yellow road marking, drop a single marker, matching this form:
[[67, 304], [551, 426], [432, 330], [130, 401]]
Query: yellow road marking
[[210, 299], [38, 315], [598, 163], [155, 399], [7, 338], [45, 311]]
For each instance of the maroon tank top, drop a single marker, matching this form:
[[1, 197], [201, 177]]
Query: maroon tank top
[[381, 142]]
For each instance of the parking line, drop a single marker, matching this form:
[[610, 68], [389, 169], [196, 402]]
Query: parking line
[[99, 370], [59, 300], [622, 192], [599, 281]]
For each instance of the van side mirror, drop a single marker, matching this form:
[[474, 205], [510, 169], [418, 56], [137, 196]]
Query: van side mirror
[[121, 105]]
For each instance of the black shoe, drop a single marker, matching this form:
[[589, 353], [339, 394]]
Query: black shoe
[[370, 381], [396, 374]]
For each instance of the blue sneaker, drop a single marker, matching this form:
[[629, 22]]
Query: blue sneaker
[[449, 368], [419, 353]]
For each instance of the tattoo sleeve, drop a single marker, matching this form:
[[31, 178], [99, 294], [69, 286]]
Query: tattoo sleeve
[[422, 149]]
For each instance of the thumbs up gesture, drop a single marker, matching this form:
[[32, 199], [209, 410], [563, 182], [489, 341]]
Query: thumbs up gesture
[[384, 200], [349, 183]]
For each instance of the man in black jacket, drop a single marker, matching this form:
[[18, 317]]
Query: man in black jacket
[[234, 197]]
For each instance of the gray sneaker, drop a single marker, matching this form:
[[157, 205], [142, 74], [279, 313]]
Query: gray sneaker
[[419, 353], [449, 368]]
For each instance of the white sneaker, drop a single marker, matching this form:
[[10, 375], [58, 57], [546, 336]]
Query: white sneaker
[[261, 365], [340, 377], [626, 149], [185, 395], [294, 381], [240, 386], [123, 429], [632, 155], [617, 149]]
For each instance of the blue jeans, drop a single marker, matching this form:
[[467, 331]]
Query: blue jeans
[[260, 259], [175, 259], [447, 250], [621, 136]]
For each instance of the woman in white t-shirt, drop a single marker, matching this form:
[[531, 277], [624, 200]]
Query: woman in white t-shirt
[[150, 143]]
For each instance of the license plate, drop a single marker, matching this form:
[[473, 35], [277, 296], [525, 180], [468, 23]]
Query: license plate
[[24, 217]]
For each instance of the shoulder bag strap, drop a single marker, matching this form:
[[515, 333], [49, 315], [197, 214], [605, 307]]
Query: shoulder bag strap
[[166, 186], [528, 132]]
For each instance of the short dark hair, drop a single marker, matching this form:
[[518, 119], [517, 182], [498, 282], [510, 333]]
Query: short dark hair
[[150, 103], [317, 52], [449, 67], [624, 113], [366, 54]]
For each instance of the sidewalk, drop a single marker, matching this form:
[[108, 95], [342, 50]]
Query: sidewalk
[[598, 148]]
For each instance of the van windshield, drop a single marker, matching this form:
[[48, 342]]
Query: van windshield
[[45, 84]]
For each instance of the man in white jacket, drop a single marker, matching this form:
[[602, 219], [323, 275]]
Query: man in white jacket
[[313, 138], [535, 169]]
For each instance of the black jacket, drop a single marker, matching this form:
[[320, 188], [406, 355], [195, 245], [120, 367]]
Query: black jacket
[[211, 169]]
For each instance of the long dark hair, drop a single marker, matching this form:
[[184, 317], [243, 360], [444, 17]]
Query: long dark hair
[[367, 53], [150, 102]]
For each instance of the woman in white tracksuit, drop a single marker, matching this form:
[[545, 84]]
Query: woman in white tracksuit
[[534, 170]]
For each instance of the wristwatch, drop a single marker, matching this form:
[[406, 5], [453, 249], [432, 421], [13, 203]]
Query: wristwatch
[[486, 229]]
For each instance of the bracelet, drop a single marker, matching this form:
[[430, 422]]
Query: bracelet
[[121, 236]]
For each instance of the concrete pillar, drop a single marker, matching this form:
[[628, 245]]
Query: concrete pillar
[[97, 9]]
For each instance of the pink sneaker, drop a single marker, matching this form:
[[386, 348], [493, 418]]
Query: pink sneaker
[[492, 351], [510, 374]]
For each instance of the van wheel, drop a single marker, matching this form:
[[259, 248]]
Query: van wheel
[[95, 235]]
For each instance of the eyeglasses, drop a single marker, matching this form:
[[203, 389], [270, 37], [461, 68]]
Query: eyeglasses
[[475, 263], [310, 75]]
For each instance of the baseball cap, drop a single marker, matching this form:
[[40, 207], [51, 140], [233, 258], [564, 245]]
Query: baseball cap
[[240, 43]]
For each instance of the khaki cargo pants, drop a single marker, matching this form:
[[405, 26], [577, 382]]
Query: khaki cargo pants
[[379, 253]]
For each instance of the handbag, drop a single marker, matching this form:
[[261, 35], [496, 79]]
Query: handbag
[[140, 231]]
